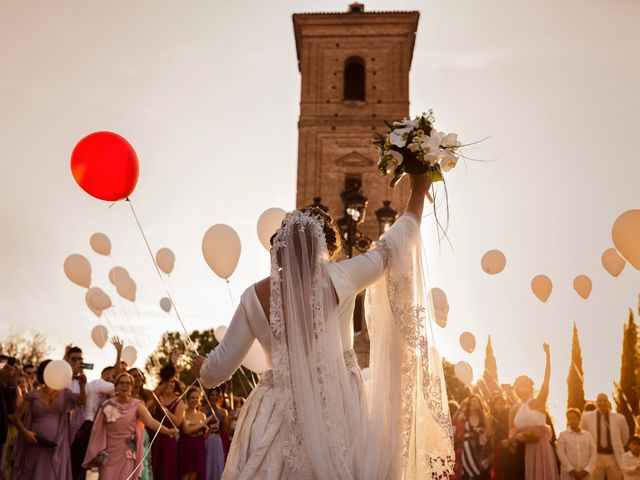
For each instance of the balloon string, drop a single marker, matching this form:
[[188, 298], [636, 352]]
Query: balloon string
[[230, 293], [175, 308], [155, 264]]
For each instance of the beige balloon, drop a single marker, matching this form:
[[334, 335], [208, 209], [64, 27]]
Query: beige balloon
[[220, 332], [582, 285], [118, 275], [255, 360], [99, 335], [268, 223], [626, 236], [100, 243], [493, 262], [78, 269], [541, 286], [165, 260], [463, 372], [612, 262], [129, 355], [165, 304], [440, 306], [58, 375], [97, 300], [127, 289], [221, 249], [468, 342]]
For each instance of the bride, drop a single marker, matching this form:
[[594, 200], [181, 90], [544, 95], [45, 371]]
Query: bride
[[311, 415]]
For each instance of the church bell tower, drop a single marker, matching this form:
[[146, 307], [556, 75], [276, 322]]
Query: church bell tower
[[354, 68]]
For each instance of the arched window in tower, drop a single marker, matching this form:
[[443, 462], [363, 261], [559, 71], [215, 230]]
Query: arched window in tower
[[354, 79]]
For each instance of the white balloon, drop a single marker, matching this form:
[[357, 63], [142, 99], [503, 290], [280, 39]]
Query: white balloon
[[100, 243], [165, 304], [463, 372], [127, 289], [97, 300], [255, 360], [493, 262], [440, 306], [118, 275], [221, 249], [165, 260], [219, 333], [626, 236], [100, 335], [613, 262], [468, 342], [58, 374], [582, 285], [129, 355], [268, 223], [78, 269], [541, 286]]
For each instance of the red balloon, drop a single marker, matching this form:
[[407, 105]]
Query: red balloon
[[105, 166]]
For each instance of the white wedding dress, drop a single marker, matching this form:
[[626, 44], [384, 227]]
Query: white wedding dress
[[311, 415]]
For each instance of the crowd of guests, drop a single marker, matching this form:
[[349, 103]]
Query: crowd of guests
[[508, 435], [113, 424]]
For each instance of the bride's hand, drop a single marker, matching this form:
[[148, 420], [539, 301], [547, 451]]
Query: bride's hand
[[420, 183], [197, 365]]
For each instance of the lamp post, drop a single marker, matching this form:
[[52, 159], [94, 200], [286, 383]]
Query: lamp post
[[386, 216], [355, 208]]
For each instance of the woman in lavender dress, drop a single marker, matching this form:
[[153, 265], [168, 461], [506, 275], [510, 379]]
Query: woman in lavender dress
[[43, 448], [213, 443]]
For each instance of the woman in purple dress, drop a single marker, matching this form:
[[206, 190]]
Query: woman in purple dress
[[43, 450], [164, 452], [213, 443], [192, 456]]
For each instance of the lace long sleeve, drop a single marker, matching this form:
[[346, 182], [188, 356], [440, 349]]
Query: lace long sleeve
[[222, 362]]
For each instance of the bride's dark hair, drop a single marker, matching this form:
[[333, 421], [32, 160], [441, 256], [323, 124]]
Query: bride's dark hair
[[329, 228]]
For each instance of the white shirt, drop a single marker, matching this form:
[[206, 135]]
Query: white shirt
[[97, 392], [629, 464], [577, 450]]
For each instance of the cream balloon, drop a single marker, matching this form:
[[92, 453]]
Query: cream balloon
[[165, 304], [541, 286], [440, 306], [118, 275], [97, 300], [129, 355], [99, 335], [219, 333], [626, 236], [127, 289], [612, 262], [221, 249], [268, 223], [582, 285], [493, 262], [255, 360], [78, 269], [58, 375], [463, 372], [468, 342], [100, 243], [165, 260], [96, 311]]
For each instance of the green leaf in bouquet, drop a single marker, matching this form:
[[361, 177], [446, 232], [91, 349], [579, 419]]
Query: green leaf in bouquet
[[396, 179], [435, 174], [389, 124]]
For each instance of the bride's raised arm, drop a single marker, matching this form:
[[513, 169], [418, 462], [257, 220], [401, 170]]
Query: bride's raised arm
[[222, 362]]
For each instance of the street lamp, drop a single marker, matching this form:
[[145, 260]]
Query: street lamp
[[386, 216], [355, 207], [318, 204]]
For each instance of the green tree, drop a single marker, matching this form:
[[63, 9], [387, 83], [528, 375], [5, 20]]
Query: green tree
[[241, 383], [575, 377], [490, 374], [627, 388], [29, 350]]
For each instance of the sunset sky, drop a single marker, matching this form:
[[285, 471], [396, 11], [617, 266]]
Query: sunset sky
[[207, 93]]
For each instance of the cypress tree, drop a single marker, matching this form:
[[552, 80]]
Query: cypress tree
[[490, 374], [575, 378], [627, 388]]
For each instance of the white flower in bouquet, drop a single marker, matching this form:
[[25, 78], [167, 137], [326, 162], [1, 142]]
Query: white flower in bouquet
[[450, 141], [406, 122], [399, 136], [448, 160], [394, 162]]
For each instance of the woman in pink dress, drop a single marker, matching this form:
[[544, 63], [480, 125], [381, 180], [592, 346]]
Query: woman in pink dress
[[115, 445], [43, 449]]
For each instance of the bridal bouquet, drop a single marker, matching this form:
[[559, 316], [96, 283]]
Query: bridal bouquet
[[416, 147]]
